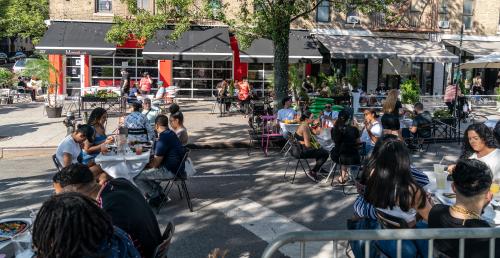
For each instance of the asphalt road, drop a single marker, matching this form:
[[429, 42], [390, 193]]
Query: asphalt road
[[240, 202]]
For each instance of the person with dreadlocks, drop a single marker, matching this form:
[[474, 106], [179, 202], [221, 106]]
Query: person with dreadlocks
[[119, 199], [71, 225]]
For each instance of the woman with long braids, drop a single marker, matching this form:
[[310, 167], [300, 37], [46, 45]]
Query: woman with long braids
[[71, 225], [479, 143]]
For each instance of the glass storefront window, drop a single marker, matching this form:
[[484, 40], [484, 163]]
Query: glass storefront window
[[73, 75], [106, 71], [198, 79]]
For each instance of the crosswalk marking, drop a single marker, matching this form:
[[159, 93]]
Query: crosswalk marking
[[267, 225]]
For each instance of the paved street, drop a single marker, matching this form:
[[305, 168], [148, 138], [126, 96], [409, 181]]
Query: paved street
[[240, 201]]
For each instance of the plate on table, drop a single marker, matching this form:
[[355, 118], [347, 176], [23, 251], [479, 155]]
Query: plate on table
[[11, 228]]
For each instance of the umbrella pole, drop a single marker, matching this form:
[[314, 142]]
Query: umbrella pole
[[457, 86]]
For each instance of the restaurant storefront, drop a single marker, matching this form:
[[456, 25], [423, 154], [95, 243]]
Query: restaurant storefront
[[470, 51], [387, 62], [196, 62]]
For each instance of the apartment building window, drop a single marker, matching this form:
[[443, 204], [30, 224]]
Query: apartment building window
[[143, 4], [468, 12], [323, 11], [103, 6], [498, 29], [443, 10]]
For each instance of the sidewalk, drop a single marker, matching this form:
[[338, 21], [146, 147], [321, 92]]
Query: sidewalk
[[25, 126]]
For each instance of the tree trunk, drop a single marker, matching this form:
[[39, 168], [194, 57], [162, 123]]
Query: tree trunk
[[280, 39]]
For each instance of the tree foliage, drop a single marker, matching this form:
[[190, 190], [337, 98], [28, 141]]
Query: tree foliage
[[23, 18], [269, 19]]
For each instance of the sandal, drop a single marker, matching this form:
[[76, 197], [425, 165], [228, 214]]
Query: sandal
[[342, 180]]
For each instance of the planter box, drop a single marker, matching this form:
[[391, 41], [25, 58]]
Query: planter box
[[53, 112], [449, 121]]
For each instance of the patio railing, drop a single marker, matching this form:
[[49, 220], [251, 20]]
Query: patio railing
[[337, 237]]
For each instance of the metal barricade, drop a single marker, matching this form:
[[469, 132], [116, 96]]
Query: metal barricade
[[399, 235]]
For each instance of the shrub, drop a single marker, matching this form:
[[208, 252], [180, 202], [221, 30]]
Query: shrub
[[409, 92], [6, 77]]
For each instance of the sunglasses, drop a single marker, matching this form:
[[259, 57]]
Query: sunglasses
[[328, 106]]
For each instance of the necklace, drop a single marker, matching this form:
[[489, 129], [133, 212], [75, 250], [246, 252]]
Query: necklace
[[464, 211]]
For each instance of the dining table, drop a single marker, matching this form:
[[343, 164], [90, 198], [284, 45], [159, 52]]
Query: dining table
[[123, 165], [18, 245], [446, 196]]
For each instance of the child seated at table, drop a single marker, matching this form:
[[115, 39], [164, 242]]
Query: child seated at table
[[471, 183]]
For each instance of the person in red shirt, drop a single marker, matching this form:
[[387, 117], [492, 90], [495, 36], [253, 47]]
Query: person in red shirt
[[244, 91], [145, 83]]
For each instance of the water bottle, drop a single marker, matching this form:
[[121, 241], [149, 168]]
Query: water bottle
[[85, 117]]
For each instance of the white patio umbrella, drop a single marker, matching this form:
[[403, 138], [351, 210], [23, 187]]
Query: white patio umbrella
[[489, 61]]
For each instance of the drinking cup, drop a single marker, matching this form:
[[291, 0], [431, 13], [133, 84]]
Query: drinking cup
[[441, 180], [438, 168], [138, 149]]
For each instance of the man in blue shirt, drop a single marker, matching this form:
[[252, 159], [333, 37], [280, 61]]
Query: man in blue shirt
[[168, 154]]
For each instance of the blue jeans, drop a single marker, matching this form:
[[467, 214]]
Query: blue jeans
[[409, 248]]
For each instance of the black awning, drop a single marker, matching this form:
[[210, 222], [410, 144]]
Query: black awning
[[302, 49], [198, 43], [76, 38]]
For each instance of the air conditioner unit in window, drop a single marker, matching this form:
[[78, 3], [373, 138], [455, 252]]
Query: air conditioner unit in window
[[444, 24], [352, 19]]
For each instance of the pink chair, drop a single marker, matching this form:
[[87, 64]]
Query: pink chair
[[270, 130]]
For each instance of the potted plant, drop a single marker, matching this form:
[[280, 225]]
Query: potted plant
[[444, 116], [41, 68], [409, 94], [6, 81]]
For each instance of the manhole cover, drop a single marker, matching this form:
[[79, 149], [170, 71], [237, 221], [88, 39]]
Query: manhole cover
[[4, 138]]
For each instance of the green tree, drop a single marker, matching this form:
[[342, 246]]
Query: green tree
[[269, 19], [23, 18]]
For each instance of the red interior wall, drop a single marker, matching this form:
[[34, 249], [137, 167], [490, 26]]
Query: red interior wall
[[165, 71], [57, 76], [240, 69], [86, 71], [308, 69]]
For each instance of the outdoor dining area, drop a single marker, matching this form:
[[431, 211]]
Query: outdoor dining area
[[368, 154]]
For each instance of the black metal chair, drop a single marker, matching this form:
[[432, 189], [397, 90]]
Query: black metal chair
[[296, 152], [179, 178], [57, 164], [162, 249]]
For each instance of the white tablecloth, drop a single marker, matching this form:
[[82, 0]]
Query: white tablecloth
[[491, 215], [291, 128], [126, 166]]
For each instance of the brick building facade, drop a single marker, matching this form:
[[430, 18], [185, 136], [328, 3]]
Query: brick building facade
[[411, 45]]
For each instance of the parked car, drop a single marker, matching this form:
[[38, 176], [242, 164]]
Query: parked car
[[3, 58], [18, 55], [20, 64]]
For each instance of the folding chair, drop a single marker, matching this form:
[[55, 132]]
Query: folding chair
[[270, 131], [162, 249], [57, 164], [180, 176], [298, 157]]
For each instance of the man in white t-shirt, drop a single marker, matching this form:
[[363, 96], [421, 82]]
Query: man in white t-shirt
[[329, 116], [286, 113], [70, 148]]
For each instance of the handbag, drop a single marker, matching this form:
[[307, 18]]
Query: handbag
[[189, 168]]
